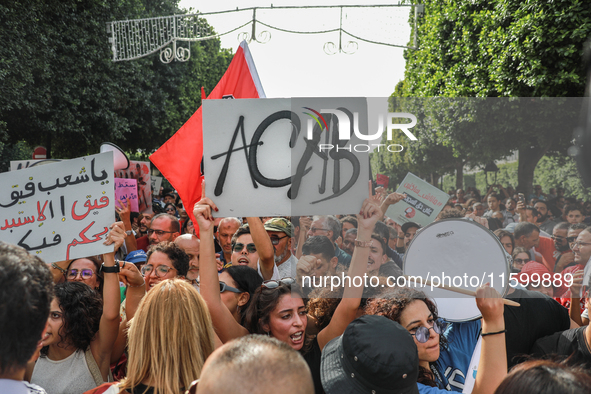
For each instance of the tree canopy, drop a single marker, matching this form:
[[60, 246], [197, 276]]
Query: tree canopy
[[61, 89], [493, 48]]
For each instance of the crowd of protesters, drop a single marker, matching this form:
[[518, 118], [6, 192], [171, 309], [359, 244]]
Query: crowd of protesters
[[221, 305]]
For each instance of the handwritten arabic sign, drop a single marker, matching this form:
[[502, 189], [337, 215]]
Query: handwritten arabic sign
[[422, 204], [140, 171], [273, 151], [59, 211], [127, 189]]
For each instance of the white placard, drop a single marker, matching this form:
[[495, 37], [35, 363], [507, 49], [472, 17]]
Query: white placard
[[59, 211], [156, 184], [291, 164]]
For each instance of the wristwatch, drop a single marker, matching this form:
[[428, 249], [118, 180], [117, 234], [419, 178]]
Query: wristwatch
[[114, 269], [363, 244], [129, 232]]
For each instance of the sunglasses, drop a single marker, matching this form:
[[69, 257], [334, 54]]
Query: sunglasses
[[225, 287], [161, 270], [422, 334], [273, 284], [520, 261], [570, 240], [86, 273], [250, 248], [276, 240]]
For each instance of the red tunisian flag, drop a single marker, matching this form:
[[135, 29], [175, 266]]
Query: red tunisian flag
[[179, 159]]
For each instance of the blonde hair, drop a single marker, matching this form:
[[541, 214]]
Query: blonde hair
[[170, 337]]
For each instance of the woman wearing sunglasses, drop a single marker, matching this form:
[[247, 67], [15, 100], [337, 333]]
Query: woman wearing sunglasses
[[444, 351], [275, 309]]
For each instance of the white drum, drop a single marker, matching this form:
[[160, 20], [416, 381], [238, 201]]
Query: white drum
[[463, 254]]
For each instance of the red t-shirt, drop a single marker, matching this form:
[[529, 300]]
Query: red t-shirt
[[143, 243]]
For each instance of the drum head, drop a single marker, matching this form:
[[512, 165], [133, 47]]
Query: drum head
[[463, 254]]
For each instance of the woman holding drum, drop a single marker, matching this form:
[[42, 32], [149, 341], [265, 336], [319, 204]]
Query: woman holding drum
[[440, 347]]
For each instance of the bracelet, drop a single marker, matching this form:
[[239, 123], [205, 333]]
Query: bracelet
[[57, 267], [492, 333], [143, 284]]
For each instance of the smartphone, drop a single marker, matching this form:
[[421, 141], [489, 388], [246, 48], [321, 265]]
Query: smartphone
[[521, 197]]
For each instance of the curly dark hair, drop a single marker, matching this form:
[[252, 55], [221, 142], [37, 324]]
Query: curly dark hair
[[392, 304], [82, 309], [178, 257], [247, 279], [323, 302]]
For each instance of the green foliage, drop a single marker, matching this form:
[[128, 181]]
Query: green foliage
[[551, 172], [9, 152], [494, 48], [61, 89]]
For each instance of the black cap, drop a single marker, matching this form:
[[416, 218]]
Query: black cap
[[374, 355], [408, 225]]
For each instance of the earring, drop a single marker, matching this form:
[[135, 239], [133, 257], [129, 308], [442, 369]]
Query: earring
[[268, 333]]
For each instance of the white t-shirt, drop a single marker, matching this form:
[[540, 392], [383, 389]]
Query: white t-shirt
[[275, 271]]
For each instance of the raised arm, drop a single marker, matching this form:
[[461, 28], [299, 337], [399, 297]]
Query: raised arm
[[136, 289], [124, 211], [264, 246], [226, 327], [492, 367], [305, 224], [102, 344], [347, 309]]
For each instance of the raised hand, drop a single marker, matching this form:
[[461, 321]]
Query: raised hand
[[370, 211], [490, 304], [130, 275], [116, 235], [203, 211], [123, 209]]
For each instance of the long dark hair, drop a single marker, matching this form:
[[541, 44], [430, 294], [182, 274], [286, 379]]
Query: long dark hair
[[247, 279], [82, 309], [392, 304]]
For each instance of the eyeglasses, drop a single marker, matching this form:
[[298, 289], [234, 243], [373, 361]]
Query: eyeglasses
[[578, 244], [225, 287], [570, 240], [422, 334], [273, 284], [170, 209], [250, 248], [276, 240], [86, 273], [161, 270], [159, 233], [315, 229], [520, 261]]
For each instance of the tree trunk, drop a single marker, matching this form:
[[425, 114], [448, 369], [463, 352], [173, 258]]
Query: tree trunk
[[528, 160], [460, 175], [48, 145]]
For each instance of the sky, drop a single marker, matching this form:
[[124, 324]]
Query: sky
[[295, 65]]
